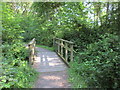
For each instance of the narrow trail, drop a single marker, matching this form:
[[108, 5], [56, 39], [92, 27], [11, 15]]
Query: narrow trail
[[53, 71]]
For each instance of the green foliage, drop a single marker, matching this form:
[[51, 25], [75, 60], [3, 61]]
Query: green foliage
[[21, 76], [16, 73], [45, 8], [84, 23], [74, 77], [99, 63]]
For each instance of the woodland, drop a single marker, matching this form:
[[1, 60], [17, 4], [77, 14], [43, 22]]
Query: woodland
[[92, 26]]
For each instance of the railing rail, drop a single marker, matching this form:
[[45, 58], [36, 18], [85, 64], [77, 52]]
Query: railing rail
[[64, 49], [31, 46]]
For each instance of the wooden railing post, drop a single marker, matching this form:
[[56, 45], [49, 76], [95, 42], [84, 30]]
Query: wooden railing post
[[62, 48], [68, 46], [58, 46], [31, 46], [71, 55], [66, 52], [53, 42]]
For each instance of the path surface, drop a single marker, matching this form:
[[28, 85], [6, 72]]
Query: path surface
[[53, 72]]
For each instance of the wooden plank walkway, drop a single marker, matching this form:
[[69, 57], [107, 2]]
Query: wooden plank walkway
[[53, 71]]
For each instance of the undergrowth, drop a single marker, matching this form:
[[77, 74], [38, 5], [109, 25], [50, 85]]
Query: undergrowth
[[17, 73], [98, 65], [74, 78]]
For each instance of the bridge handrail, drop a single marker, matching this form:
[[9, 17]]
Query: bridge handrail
[[65, 40], [68, 45], [31, 46]]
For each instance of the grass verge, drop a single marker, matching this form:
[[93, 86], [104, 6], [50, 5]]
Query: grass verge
[[46, 47]]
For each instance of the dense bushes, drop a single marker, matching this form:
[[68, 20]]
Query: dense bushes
[[16, 73], [99, 63], [41, 32], [96, 64]]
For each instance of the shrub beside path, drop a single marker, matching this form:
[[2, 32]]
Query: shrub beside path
[[53, 71]]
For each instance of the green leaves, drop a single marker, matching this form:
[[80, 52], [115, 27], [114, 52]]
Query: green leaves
[[98, 64], [84, 23], [16, 71], [17, 77]]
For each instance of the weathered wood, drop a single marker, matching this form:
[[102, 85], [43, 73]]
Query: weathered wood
[[67, 45], [64, 40], [31, 46], [54, 42], [58, 47], [64, 60], [62, 48], [71, 56], [66, 52]]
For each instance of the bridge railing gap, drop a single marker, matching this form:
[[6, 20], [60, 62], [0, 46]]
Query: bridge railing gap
[[31, 46], [64, 49]]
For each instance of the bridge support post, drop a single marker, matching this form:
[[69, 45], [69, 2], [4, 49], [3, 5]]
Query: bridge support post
[[31, 46], [71, 56], [62, 48], [58, 46], [66, 52]]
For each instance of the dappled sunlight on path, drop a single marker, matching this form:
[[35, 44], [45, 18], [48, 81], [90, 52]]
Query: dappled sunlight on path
[[53, 70]]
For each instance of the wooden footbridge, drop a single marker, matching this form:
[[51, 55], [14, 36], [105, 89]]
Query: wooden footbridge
[[51, 65]]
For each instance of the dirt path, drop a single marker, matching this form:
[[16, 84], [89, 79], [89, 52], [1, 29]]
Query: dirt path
[[53, 72]]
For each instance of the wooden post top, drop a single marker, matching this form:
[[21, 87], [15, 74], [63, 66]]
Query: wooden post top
[[31, 42]]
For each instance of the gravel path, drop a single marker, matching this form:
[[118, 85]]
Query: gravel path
[[53, 71]]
